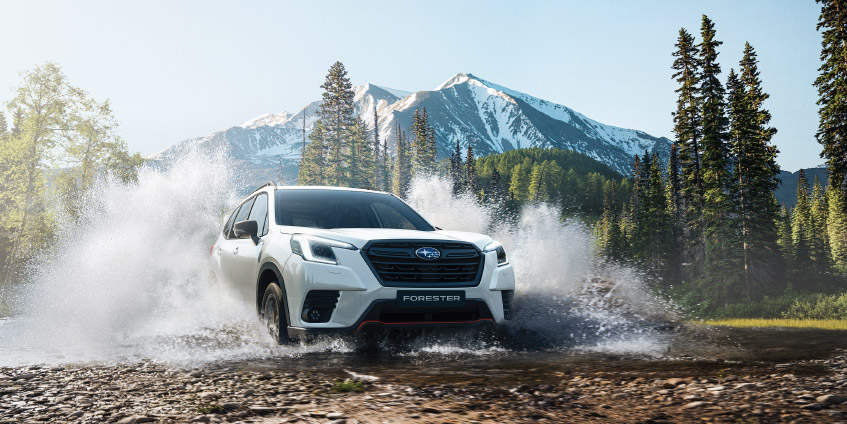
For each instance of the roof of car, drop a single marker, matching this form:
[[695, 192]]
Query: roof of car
[[328, 188]]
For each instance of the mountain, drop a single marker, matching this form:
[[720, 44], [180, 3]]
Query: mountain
[[786, 192], [490, 117]]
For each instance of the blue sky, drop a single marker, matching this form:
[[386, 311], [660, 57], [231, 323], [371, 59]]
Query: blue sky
[[178, 69]]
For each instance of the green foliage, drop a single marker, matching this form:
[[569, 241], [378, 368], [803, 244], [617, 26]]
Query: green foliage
[[58, 130], [348, 385], [340, 152], [402, 164], [837, 227], [832, 89], [821, 306], [569, 179], [211, 409], [423, 144]]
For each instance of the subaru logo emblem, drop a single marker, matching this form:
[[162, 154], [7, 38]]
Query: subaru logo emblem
[[428, 253]]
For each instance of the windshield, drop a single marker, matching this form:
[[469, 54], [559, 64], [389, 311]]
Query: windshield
[[345, 209]]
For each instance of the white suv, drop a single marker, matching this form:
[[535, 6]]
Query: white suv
[[326, 259]]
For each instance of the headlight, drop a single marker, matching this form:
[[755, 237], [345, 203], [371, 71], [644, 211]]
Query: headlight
[[501, 253], [317, 249]]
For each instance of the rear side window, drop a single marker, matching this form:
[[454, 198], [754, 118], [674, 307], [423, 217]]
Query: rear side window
[[259, 213], [229, 222], [242, 214]]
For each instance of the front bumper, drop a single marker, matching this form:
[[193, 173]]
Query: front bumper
[[384, 314], [365, 303]]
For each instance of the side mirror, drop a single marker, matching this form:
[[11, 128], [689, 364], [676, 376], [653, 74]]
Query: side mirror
[[246, 229]]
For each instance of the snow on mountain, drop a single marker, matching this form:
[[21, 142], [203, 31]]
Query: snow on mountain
[[489, 117], [266, 120]]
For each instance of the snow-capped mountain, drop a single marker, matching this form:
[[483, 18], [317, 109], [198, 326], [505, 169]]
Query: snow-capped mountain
[[490, 117]]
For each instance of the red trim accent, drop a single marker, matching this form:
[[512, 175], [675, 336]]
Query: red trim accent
[[421, 322]]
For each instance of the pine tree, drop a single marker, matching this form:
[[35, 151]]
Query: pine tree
[[422, 144], [688, 130], [652, 233], [836, 225], [755, 175], [456, 168], [819, 245], [676, 209], [4, 128], [470, 170], [801, 228], [519, 187], [832, 89], [314, 163], [784, 240], [338, 117], [402, 165], [360, 169], [377, 154], [720, 267]]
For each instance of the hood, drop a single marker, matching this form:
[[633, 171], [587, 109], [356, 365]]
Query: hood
[[359, 237]]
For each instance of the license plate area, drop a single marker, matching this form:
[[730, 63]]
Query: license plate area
[[408, 299]]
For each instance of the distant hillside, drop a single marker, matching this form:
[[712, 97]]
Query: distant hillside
[[786, 193], [574, 180]]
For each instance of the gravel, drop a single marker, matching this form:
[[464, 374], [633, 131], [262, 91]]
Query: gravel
[[646, 392]]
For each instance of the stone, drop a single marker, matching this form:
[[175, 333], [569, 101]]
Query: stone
[[672, 382], [229, 406], [697, 404], [259, 409], [209, 396], [335, 415], [812, 407], [201, 419], [135, 419], [831, 399]]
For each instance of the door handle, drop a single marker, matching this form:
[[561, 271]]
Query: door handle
[[235, 251]]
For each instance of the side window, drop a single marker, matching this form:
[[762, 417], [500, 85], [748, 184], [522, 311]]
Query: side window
[[242, 214], [259, 212], [229, 222]]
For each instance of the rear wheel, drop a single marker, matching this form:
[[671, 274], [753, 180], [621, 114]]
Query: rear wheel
[[273, 313]]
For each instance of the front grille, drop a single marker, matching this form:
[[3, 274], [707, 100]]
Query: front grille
[[396, 265]]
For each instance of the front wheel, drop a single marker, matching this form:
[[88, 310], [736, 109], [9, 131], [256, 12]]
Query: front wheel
[[273, 314]]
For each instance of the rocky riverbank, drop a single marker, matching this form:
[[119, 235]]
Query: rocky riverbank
[[597, 391]]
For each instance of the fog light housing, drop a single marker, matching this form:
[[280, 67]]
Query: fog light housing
[[312, 315]]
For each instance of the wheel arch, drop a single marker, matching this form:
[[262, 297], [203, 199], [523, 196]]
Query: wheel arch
[[269, 273]]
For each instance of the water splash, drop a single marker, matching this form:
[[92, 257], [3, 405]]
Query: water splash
[[128, 282], [566, 297]]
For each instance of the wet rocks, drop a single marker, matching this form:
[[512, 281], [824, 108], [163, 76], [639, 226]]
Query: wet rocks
[[831, 399], [810, 391]]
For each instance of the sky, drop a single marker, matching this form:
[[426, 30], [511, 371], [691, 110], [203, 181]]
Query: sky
[[179, 69]]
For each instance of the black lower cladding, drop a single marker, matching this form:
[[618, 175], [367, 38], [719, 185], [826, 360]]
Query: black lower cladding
[[396, 263], [319, 305], [384, 313], [388, 312]]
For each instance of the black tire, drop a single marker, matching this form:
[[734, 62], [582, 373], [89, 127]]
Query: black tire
[[273, 313]]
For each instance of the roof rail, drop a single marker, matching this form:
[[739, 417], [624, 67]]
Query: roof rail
[[267, 184]]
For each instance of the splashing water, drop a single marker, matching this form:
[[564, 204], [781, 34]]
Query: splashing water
[[128, 281], [566, 297]]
